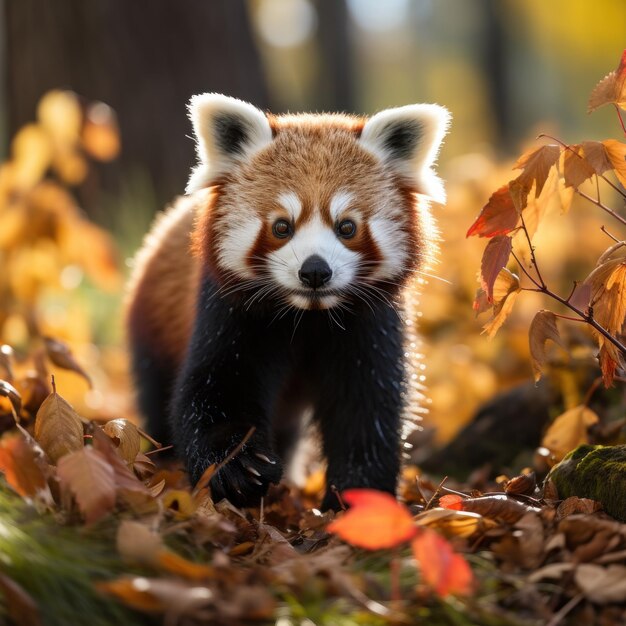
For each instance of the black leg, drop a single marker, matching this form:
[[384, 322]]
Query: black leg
[[231, 373], [360, 404]]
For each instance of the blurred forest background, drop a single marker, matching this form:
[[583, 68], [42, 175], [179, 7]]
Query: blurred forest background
[[506, 69]]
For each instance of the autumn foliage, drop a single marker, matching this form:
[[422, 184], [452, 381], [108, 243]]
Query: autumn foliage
[[178, 557], [515, 211]]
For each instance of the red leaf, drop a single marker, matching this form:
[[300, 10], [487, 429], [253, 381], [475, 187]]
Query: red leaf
[[374, 521], [445, 571], [451, 502], [495, 257], [498, 216]]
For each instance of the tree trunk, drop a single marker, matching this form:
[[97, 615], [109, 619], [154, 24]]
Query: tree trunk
[[145, 58]]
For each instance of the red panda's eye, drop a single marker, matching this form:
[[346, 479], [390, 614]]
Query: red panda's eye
[[281, 229], [346, 229]]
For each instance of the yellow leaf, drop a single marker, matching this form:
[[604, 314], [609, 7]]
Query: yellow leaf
[[32, 154], [569, 430], [503, 311], [179, 502], [616, 153], [60, 115]]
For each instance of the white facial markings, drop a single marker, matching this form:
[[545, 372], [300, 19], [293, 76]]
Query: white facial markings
[[339, 203], [235, 244], [318, 238], [391, 244], [291, 203]]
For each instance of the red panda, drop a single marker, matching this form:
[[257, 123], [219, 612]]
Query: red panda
[[282, 283]]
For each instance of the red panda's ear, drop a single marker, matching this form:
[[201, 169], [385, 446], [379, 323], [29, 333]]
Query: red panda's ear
[[408, 138], [226, 130]]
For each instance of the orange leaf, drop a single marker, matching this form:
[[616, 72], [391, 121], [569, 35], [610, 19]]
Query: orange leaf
[[18, 461], [503, 310], [495, 257], [445, 571], [611, 89], [616, 153], [542, 328], [569, 430], [596, 156], [576, 169], [176, 564], [536, 165], [374, 521], [451, 502], [497, 217]]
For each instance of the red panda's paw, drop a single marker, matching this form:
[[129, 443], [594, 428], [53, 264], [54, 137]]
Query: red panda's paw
[[245, 479]]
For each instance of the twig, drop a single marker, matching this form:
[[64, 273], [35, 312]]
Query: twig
[[147, 437], [532, 252], [532, 278], [571, 293], [619, 115], [608, 234], [235, 451], [592, 389], [610, 211], [394, 573], [342, 504], [558, 617], [161, 449], [436, 493]]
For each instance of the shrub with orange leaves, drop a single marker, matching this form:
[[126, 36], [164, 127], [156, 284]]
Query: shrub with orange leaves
[[510, 220]]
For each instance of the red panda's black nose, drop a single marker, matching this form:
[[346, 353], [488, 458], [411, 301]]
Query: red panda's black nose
[[315, 272]]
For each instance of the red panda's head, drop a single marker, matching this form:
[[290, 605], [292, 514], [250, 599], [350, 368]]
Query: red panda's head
[[314, 210]]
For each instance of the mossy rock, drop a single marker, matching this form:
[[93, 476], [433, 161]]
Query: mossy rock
[[597, 473]]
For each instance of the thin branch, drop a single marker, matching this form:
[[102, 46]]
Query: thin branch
[[527, 273], [569, 318], [610, 211], [606, 232], [592, 389], [571, 293], [532, 253], [619, 115]]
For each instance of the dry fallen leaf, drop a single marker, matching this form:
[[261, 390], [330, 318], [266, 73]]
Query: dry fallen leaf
[[91, 479], [601, 584], [21, 462], [568, 431], [126, 435], [58, 428]]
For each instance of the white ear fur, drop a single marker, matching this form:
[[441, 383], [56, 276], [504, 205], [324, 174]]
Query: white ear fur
[[408, 138], [227, 130]]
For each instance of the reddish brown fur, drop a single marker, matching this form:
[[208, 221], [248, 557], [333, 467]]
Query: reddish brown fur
[[313, 156]]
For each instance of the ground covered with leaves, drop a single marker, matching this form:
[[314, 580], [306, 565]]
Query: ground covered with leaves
[[98, 526]]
